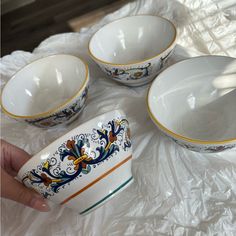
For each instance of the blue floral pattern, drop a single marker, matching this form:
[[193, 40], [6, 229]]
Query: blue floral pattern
[[204, 148], [74, 158], [129, 74]]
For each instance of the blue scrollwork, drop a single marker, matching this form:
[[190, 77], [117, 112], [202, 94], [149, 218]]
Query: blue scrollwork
[[75, 153], [129, 74]]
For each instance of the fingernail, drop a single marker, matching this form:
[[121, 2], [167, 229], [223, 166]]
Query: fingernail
[[40, 204]]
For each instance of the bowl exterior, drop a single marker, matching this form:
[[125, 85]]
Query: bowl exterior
[[199, 147], [85, 167], [205, 148], [65, 115], [136, 74]]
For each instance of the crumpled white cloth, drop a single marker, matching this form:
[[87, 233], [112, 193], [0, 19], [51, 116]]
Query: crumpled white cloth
[[176, 191]]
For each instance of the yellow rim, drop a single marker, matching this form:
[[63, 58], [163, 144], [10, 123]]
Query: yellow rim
[[131, 63], [56, 108], [171, 133]]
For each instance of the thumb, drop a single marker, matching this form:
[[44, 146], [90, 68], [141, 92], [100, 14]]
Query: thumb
[[12, 189]]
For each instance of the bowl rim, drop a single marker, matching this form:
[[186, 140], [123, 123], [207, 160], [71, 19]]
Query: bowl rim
[[58, 107], [171, 132], [139, 61], [60, 139]]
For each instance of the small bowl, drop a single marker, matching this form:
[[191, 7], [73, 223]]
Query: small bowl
[[85, 167], [47, 92], [133, 49], [194, 103]]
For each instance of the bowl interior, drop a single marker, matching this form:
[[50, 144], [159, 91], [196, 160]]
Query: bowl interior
[[196, 98], [132, 39], [43, 85]]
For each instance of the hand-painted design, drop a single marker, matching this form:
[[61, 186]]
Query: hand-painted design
[[129, 74], [127, 143], [74, 157], [219, 148], [206, 149], [163, 59], [62, 116]]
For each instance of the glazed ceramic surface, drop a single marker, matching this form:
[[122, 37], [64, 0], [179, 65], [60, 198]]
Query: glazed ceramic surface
[[85, 167], [48, 91], [194, 103], [133, 49]]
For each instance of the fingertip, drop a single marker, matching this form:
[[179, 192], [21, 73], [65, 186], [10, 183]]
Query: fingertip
[[39, 204]]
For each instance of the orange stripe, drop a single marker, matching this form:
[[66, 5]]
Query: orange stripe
[[95, 181]]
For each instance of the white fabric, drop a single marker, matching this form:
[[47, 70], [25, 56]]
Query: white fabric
[[176, 191]]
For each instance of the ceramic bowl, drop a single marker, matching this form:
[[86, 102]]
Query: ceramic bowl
[[133, 49], [194, 103], [85, 167], [47, 92]]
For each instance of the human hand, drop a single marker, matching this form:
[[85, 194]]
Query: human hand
[[12, 158]]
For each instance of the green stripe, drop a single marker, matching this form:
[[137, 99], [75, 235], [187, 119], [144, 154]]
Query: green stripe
[[109, 195]]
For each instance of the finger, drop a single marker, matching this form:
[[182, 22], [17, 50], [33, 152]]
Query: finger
[[12, 189], [12, 157]]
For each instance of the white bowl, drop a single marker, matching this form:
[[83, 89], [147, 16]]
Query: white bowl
[[47, 92], [132, 50], [194, 103], [85, 167]]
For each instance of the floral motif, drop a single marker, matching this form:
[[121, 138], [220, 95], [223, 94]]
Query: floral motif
[[74, 157], [129, 74], [46, 180], [61, 116], [205, 148]]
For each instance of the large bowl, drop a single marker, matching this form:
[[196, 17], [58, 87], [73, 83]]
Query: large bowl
[[47, 92], [85, 167], [133, 49], [194, 103]]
